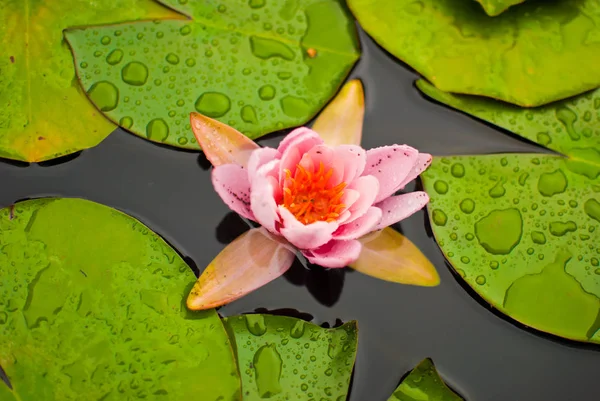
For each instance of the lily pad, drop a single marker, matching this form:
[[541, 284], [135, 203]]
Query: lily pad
[[92, 303], [522, 229], [526, 55], [43, 114], [497, 7], [259, 66], [424, 384], [283, 358]]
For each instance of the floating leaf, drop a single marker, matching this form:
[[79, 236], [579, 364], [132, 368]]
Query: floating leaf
[[43, 114], [252, 260], [527, 55], [424, 383], [497, 7], [522, 229], [283, 358], [389, 255], [92, 304], [259, 66]]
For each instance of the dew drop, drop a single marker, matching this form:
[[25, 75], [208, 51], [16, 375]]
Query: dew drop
[[83, 64], [550, 184], [543, 138], [266, 92], [190, 62], [298, 330], [265, 48], [458, 170], [256, 3], [441, 187], [213, 104], [494, 265], [497, 190], [500, 231], [268, 365], [157, 130], [284, 75], [182, 141], [248, 114], [467, 205], [256, 324], [105, 95], [538, 237], [465, 259], [295, 107], [172, 58], [135, 73], [114, 57], [126, 122], [558, 228], [523, 178], [592, 209], [185, 30], [480, 280], [105, 40], [568, 117], [439, 217]]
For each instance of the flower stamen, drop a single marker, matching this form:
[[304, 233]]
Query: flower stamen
[[310, 197]]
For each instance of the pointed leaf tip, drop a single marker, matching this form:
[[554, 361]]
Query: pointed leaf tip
[[341, 122], [254, 259], [221, 143], [390, 256]]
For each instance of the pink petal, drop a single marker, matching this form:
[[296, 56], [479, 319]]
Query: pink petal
[[297, 137], [368, 187], [251, 261], [349, 197], [390, 256], [220, 143], [258, 158], [360, 226], [342, 120], [351, 159], [303, 236], [423, 161], [262, 202], [335, 253], [296, 148], [231, 183], [317, 155], [390, 165], [396, 208]]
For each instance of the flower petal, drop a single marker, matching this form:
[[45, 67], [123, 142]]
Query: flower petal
[[390, 165], [262, 202], [251, 261], [423, 161], [368, 188], [231, 183], [298, 137], [294, 149], [341, 121], [396, 208], [221, 143], [307, 236], [334, 254], [390, 256], [351, 159], [360, 226], [260, 157]]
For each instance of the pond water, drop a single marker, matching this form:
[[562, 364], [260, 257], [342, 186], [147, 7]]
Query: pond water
[[479, 353]]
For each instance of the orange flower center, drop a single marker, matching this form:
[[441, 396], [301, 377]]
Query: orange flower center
[[309, 196]]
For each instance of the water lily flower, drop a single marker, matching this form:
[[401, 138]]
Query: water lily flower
[[319, 193]]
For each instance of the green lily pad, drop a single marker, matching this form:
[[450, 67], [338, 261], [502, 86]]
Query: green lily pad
[[259, 66], [43, 115], [522, 229], [527, 55], [283, 358], [497, 7], [92, 304], [424, 384]]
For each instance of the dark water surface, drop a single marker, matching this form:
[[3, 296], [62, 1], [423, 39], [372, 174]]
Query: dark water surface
[[480, 354]]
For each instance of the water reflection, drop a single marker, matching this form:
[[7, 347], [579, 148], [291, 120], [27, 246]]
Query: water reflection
[[324, 284]]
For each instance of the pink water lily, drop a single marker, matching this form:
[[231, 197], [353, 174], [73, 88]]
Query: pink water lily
[[315, 196]]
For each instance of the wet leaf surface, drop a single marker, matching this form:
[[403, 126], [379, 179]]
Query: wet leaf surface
[[258, 66], [283, 358], [92, 302], [43, 112], [525, 233], [424, 384], [526, 55]]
